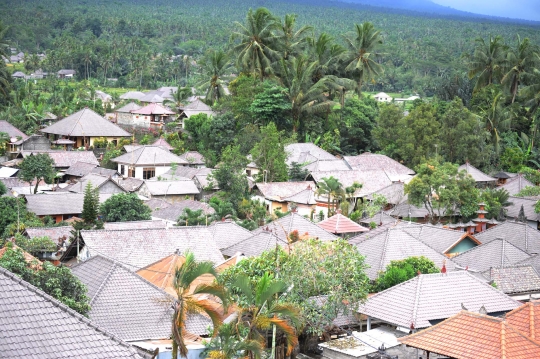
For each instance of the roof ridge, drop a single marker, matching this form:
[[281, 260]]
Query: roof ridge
[[385, 246], [105, 279], [64, 308], [416, 301]]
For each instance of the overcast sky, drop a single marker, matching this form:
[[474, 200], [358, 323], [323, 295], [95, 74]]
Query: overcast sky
[[520, 9]]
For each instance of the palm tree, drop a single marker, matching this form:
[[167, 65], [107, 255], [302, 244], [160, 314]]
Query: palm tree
[[228, 343], [214, 66], [531, 92], [361, 54], [258, 45], [496, 119], [333, 190], [292, 40], [327, 54], [192, 300], [262, 310], [487, 61], [179, 96], [519, 61], [192, 217]]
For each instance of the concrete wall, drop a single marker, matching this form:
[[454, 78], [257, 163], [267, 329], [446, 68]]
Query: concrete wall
[[36, 143]]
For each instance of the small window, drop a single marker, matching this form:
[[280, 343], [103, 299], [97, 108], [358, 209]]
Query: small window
[[131, 172], [122, 170], [149, 172]]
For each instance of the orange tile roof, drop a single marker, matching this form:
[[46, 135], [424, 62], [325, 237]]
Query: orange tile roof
[[338, 223], [468, 335], [526, 319]]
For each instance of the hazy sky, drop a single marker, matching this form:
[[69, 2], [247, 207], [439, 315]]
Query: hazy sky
[[521, 9]]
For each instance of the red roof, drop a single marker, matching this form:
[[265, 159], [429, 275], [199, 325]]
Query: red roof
[[161, 142], [338, 223], [153, 109]]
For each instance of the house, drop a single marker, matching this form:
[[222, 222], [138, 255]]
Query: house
[[252, 170], [123, 115], [147, 162], [486, 338], [502, 177], [382, 97], [35, 324], [104, 97], [66, 74], [396, 244], [228, 233], [126, 304], [81, 169], [58, 205], [295, 224], [137, 248], [84, 127], [379, 219], [18, 75], [170, 213], [481, 179], [16, 138], [152, 97], [284, 196], [153, 115], [194, 158], [526, 205], [172, 191], [56, 234], [162, 143], [32, 143], [516, 184], [394, 194], [129, 184], [110, 226], [497, 253], [63, 159], [6, 172], [255, 245], [518, 234], [306, 153], [132, 95], [405, 99], [104, 184], [521, 282], [427, 299], [375, 162], [194, 108], [341, 225], [526, 319]]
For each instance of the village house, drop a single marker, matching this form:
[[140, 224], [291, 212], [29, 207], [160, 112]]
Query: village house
[[123, 115], [63, 159], [32, 321], [525, 205], [428, 299], [255, 245], [284, 196], [171, 191], [376, 162], [162, 143], [521, 281], [341, 225], [194, 108], [382, 97], [19, 75], [66, 74], [80, 169], [84, 127], [518, 234], [295, 225], [147, 162], [104, 184], [402, 100], [194, 158], [132, 95], [151, 116], [19, 141], [170, 212], [516, 184], [482, 180]]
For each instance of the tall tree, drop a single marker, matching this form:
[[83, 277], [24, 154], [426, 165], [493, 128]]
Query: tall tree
[[292, 39], [258, 44], [37, 168], [387, 130], [270, 155], [487, 61], [124, 207], [520, 60], [333, 190], [214, 66], [361, 55], [191, 299], [230, 176], [90, 204]]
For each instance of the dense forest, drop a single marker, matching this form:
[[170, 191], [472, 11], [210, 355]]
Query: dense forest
[[294, 77]]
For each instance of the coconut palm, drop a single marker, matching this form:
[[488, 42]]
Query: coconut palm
[[519, 61], [496, 119], [191, 217], [179, 96], [327, 54], [228, 343], [531, 92], [292, 40], [333, 190], [261, 310], [193, 300], [214, 65], [487, 61], [258, 44], [360, 58]]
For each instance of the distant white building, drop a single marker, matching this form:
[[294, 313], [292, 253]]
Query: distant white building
[[402, 100], [382, 97]]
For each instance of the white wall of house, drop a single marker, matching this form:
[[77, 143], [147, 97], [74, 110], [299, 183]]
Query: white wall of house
[[160, 170]]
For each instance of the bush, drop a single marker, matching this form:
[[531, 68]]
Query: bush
[[100, 142]]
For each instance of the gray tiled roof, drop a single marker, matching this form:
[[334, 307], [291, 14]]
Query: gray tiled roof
[[396, 244], [497, 253], [514, 279], [188, 172], [149, 155], [306, 153], [379, 218], [306, 196], [519, 234], [193, 157], [406, 210], [66, 158], [516, 184], [80, 169], [132, 95], [35, 325], [371, 162], [228, 233], [128, 108], [533, 261], [58, 203], [438, 238], [130, 184], [512, 211], [11, 130], [197, 105], [53, 233], [138, 248], [162, 188], [327, 165], [105, 172], [374, 232], [475, 173], [371, 181], [283, 226], [124, 303], [157, 204], [86, 123], [432, 297], [134, 225], [394, 193], [278, 191], [96, 180], [255, 245], [171, 212]]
